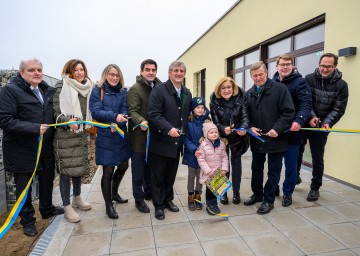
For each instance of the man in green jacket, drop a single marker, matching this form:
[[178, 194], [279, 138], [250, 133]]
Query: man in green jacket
[[137, 99]]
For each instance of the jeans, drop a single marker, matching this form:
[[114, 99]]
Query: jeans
[[65, 188], [140, 171], [291, 162], [257, 177]]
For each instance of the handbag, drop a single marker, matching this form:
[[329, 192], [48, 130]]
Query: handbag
[[93, 129]]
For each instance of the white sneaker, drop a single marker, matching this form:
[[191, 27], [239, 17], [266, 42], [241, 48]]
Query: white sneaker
[[70, 215], [78, 202]]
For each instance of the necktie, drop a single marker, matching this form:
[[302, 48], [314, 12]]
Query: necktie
[[38, 95]]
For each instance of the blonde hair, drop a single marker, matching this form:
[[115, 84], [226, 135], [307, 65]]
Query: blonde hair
[[106, 71], [217, 90]]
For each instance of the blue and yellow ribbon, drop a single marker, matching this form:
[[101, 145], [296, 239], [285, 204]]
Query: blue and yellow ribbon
[[223, 215], [147, 138], [22, 198]]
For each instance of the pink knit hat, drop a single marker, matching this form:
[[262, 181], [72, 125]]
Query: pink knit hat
[[207, 127]]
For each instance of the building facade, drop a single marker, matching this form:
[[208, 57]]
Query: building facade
[[253, 30]]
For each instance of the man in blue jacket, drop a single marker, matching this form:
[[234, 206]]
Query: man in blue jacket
[[301, 96], [168, 111]]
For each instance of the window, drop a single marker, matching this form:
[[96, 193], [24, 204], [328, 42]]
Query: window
[[200, 83]]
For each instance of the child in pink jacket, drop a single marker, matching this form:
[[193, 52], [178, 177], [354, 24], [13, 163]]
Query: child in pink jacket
[[212, 156]]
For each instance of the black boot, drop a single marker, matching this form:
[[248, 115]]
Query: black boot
[[117, 177], [106, 191], [224, 199], [236, 198]]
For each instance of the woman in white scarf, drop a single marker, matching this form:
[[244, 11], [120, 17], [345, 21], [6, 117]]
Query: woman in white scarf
[[71, 143]]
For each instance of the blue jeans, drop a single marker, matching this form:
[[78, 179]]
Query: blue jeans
[[291, 162], [140, 176], [257, 176], [65, 188]]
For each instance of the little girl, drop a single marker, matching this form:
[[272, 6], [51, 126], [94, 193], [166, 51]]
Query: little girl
[[212, 156], [199, 113]]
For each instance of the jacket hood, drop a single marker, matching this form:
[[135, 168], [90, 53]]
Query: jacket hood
[[293, 74], [335, 76]]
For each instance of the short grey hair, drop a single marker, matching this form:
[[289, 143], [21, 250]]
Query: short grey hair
[[175, 64], [24, 63]]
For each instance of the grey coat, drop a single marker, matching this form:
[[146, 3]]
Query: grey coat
[[72, 149]]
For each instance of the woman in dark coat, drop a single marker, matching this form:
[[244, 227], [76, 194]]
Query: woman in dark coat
[[71, 143], [228, 111], [108, 105]]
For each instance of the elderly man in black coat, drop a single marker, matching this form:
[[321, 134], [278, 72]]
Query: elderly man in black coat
[[168, 111], [26, 107], [271, 112]]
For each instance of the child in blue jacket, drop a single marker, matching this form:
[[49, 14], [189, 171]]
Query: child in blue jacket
[[199, 113]]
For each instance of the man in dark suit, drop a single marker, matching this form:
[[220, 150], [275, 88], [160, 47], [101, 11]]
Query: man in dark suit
[[168, 111], [26, 107]]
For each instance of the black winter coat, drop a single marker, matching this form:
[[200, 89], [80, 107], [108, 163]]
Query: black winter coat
[[329, 96], [222, 115], [21, 115], [272, 108], [301, 96], [166, 111]]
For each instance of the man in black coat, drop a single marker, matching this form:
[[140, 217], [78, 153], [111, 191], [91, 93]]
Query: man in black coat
[[329, 99], [26, 107], [168, 111], [271, 112], [301, 96]]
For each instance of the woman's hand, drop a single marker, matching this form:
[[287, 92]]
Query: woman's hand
[[228, 129], [241, 132], [113, 129], [73, 127], [197, 153], [121, 118]]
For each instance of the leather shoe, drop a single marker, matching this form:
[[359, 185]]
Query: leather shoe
[[172, 207], [236, 198], [313, 195], [287, 200], [299, 180], [224, 199], [265, 207], [253, 200], [56, 211], [159, 214], [30, 230], [142, 207]]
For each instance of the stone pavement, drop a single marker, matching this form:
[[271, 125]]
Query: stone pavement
[[330, 226]]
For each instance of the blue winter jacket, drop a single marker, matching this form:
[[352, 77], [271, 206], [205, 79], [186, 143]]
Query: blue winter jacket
[[193, 135], [111, 149]]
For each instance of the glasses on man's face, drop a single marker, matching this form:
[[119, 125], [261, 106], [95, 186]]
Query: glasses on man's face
[[114, 75], [326, 66], [178, 71], [285, 64]]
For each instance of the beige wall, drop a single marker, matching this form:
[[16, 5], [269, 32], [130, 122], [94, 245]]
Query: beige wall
[[254, 21]]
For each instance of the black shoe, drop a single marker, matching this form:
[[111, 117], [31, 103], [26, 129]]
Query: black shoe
[[253, 200], [142, 207], [287, 200], [30, 230], [159, 214], [313, 195], [213, 209], [299, 180], [224, 199], [277, 191], [148, 197], [172, 207], [265, 207], [56, 211], [119, 199], [236, 198], [110, 211]]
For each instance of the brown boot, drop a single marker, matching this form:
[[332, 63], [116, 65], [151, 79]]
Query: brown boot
[[198, 205], [191, 202]]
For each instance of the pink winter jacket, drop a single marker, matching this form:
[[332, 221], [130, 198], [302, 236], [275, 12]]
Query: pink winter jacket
[[212, 158]]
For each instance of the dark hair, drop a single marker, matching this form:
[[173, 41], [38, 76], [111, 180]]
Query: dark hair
[[330, 55], [147, 61], [69, 68]]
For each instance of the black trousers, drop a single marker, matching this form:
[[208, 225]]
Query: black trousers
[[140, 170], [163, 174], [46, 179]]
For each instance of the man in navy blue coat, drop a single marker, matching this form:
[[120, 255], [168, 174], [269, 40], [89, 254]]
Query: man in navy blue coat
[[168, 111], [301, 96]]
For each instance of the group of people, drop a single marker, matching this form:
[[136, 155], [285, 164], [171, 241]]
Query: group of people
[[174, 123]]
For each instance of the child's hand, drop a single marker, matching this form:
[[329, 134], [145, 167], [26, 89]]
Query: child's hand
[[197, 153], [223, 173], [211, 174]]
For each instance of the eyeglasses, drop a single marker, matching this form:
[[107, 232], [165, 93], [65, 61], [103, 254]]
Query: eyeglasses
[[178, 71], [226, 88], [114, 75], [285, 64], [326, 67]]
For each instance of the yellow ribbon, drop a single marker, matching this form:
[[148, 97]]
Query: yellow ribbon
[[223, 215]]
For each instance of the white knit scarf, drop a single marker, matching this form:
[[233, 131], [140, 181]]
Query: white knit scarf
[[69, 100]]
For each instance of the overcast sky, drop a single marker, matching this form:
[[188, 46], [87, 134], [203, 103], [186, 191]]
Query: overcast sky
[[100, 32]]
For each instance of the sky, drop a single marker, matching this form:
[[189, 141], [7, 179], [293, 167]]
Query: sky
[[100, 32]]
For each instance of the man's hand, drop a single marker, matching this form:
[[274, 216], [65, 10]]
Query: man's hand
[[142, 127], [326, 126], [174, 133], [272, 133], [314, 122], [295, 127], [43, 128]]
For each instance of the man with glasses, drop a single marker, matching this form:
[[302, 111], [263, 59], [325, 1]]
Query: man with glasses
[[301, 96], [138, 99], [168, 111], [271, 112], [329, 99]]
